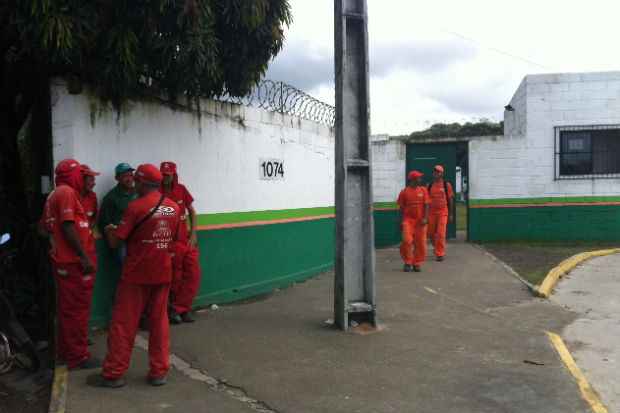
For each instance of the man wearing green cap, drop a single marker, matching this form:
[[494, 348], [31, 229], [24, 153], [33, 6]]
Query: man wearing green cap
[[115, 202]]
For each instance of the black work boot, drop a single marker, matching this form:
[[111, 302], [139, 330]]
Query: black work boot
[[417, 268], [97, 380], [88, 364], [174, 317], [408, 268], [157, 381], [187, 317]]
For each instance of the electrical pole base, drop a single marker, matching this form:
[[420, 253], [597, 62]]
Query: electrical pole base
[[358, 314]]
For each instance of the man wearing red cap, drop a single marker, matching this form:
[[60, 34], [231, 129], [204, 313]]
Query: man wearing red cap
[[88, 196], [442, 198], [149, 227], [413, 202], [186, 279], [73, 261]]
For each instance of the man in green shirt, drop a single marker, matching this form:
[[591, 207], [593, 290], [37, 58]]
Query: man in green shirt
[[115, 202]]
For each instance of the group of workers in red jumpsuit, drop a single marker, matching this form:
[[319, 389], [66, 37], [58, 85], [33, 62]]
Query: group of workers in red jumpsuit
[[160, 267], [425, 212]]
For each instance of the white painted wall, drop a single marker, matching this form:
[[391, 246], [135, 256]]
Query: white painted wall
[[520, 164], [220, 164], [388, 163]]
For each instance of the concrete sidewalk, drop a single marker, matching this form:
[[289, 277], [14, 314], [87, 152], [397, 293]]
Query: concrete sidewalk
[[593, 291], [459, 337]]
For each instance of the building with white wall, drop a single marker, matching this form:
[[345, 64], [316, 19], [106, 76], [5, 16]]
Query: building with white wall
[[555, 174], [263, 184], [388, 167]]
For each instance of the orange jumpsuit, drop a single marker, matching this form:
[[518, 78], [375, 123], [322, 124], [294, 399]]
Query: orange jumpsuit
[[412, 202], [438, 216]]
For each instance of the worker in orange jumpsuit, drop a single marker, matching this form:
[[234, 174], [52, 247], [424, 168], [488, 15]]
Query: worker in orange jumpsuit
[[89, 197], [413, 202], [74, 264], [442, 199], [149, 227], [186, 278]]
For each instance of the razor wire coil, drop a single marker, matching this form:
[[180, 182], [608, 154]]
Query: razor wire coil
[[275, 96]]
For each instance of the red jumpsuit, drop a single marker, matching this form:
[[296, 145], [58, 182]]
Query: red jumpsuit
[[146, 277], [74, 287], [412, 202], [89, 202], [438, 216], [186, 279]]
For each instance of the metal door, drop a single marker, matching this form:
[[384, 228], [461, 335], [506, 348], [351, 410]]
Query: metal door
[[424, 156]]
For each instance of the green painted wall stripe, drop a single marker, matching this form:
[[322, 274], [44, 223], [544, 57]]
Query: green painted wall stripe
[[242, 262], [386, 205], [259, 223], [547, 200], [273, 215], [586, 222], [237, 217]]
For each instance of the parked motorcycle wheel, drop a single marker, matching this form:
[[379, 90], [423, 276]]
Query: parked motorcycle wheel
[[27, 358]]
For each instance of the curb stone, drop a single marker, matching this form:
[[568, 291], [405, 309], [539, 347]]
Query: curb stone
[[544, 290], [58, 398]]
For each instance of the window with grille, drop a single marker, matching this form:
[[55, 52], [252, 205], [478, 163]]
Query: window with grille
[[585, 152]]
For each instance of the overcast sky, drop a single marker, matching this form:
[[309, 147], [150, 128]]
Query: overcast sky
[[442, 61]]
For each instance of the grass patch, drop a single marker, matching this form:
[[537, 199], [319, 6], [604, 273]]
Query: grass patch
[[461, 216], [533, 260]]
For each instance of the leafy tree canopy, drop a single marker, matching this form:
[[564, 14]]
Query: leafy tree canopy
[[456, 130], [122, 49], [119, 47]]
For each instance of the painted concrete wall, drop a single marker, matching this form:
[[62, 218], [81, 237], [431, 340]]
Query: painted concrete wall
[[254, 235], [219, 155], [388, 163], [521, 163]]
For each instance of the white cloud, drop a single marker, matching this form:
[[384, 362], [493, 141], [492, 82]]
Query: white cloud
[[451, 60]]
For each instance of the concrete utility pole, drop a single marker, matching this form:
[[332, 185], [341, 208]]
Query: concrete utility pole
[[355, 246]]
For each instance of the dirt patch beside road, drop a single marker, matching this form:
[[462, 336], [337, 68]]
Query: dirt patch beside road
[[533, 260]]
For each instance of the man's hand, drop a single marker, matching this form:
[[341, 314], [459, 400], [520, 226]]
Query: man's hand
[[87, 265], [424, 221], [111, 237], [193, 239]]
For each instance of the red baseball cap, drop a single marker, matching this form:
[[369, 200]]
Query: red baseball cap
[[168, 168], [148, 173], [415, 175], [87, 171], [439, 168], [66, 167]]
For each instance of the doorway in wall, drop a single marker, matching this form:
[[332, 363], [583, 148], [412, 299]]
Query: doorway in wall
[[454, 158]]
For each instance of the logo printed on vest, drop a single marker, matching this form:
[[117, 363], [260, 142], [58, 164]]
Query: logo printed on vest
[[165, 211]]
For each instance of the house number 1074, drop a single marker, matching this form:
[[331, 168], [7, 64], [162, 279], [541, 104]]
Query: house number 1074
[[271, 169]]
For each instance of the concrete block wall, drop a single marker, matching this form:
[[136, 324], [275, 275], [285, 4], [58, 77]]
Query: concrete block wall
[[521, 163], [388, 163], [218, 154]]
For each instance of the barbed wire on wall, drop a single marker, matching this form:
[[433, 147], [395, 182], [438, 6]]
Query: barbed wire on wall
[[283, 98]]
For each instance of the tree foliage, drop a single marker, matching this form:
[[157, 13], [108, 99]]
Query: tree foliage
[[124, 49], [119, 47], [457, 130]]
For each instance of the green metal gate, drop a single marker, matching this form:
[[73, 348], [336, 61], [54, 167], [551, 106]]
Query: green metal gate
[[424, 156]]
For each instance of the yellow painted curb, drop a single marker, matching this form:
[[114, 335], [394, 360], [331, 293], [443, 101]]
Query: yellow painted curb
[[552, 278], [58, 399], [587, 392]]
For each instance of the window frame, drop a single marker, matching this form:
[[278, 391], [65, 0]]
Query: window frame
[[557, 149]]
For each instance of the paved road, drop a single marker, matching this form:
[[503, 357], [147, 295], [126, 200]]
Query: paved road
[[455, 339], [593, 291]]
